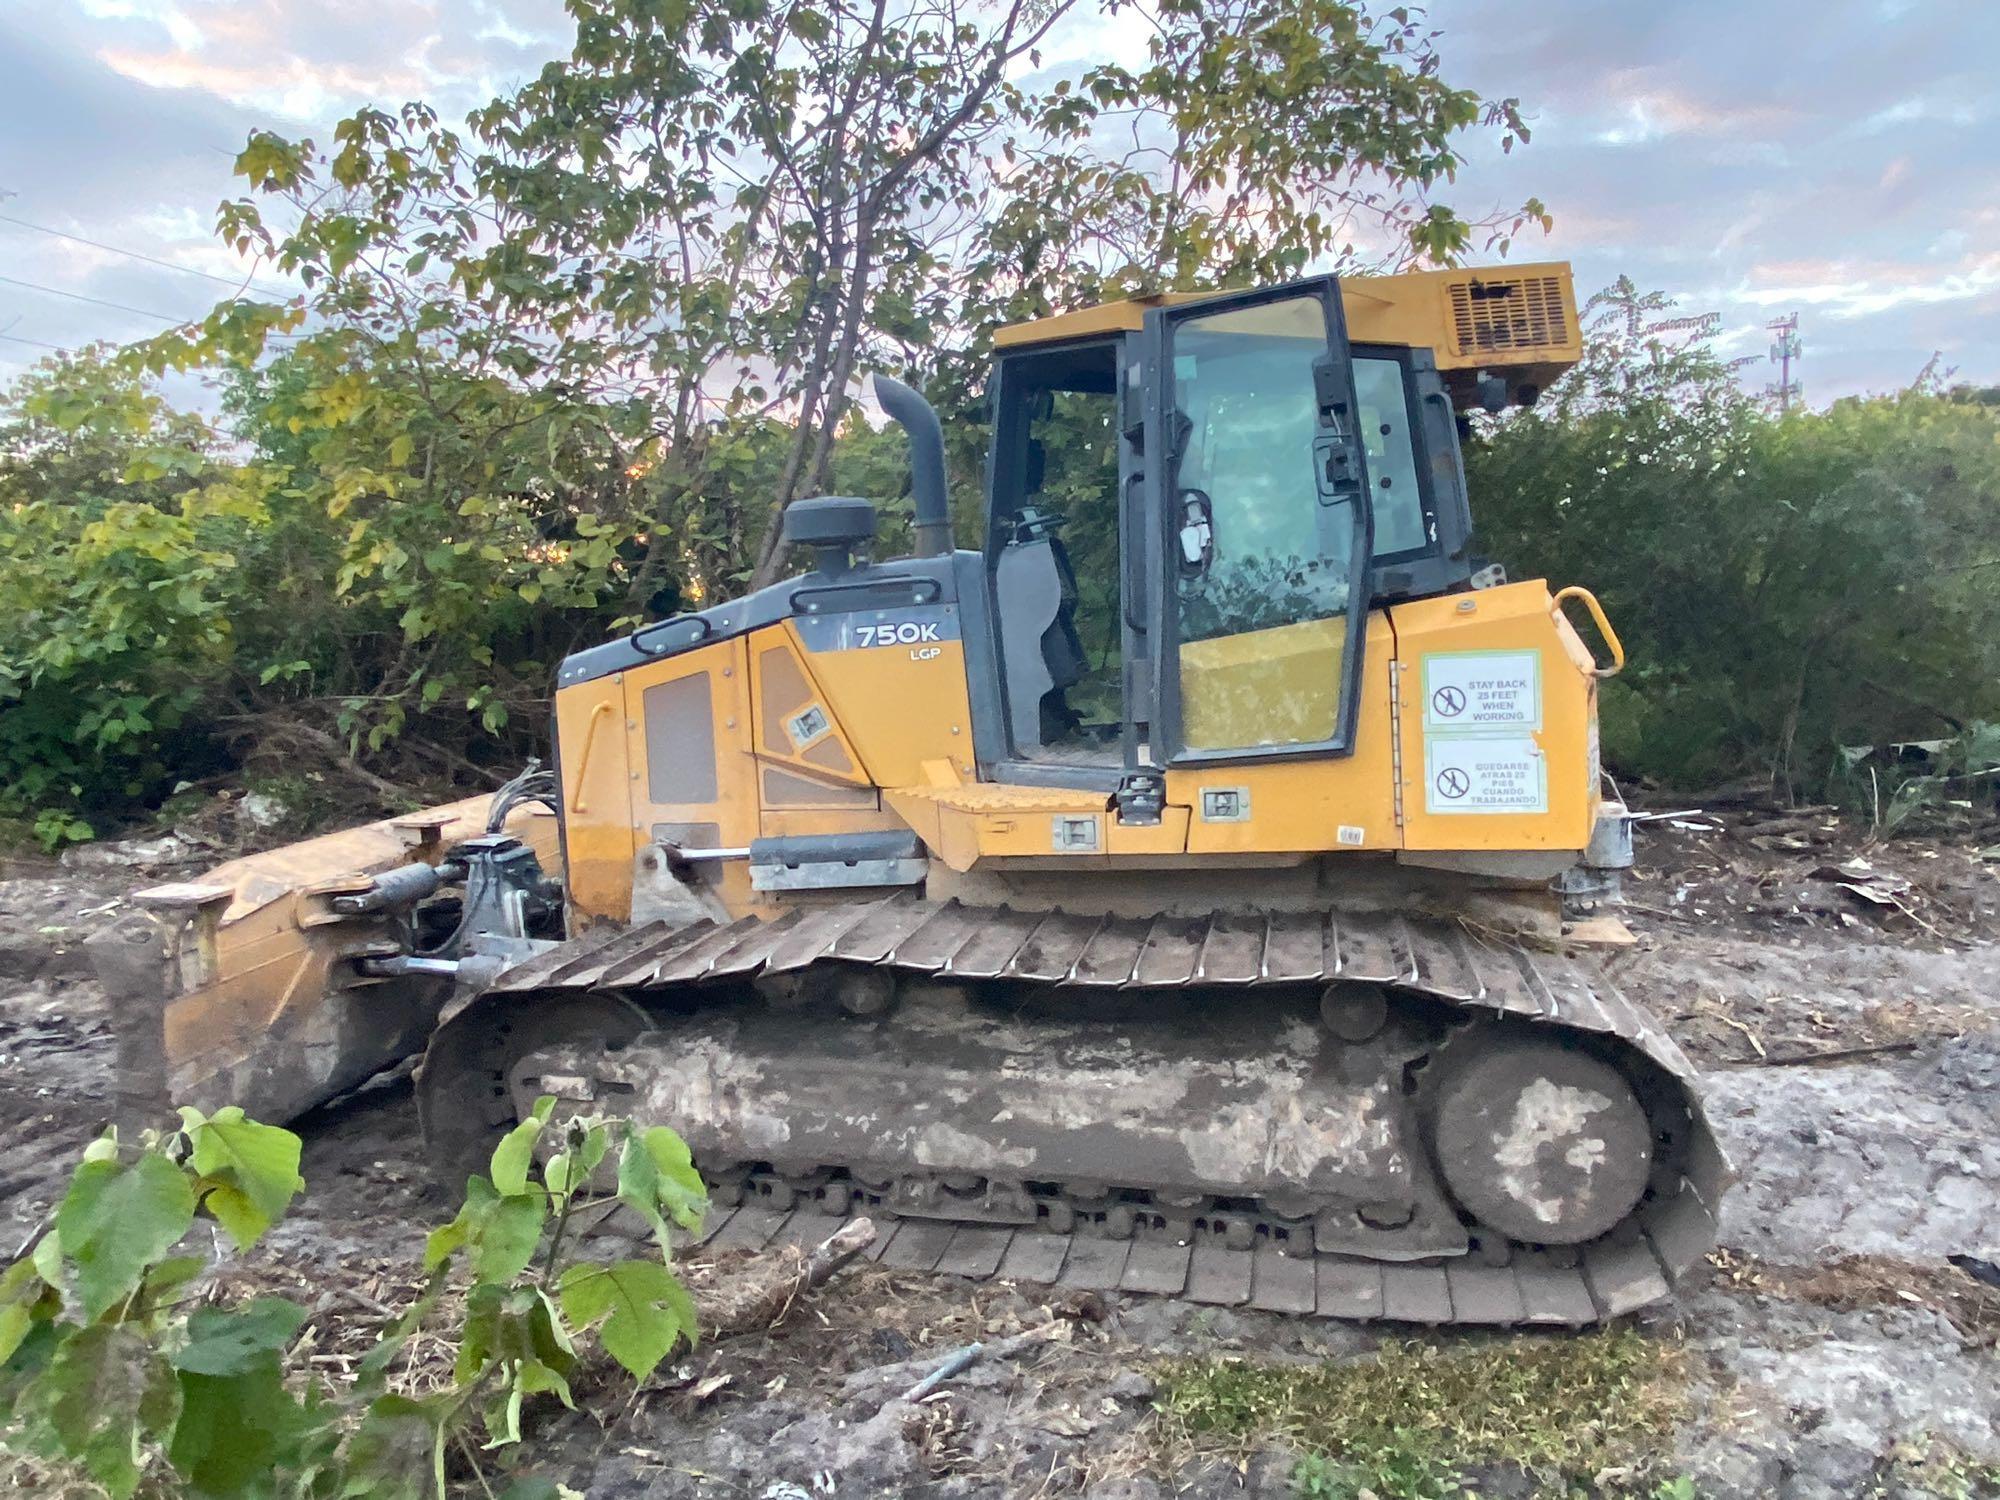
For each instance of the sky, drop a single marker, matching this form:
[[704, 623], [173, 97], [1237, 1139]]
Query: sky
[[1837, 159]]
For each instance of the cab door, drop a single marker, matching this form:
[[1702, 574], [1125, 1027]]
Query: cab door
[[1259, 493]]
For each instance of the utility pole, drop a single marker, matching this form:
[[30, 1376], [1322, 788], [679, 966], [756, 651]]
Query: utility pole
[[1784, 349]]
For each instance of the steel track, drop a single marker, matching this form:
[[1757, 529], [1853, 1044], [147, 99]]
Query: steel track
[[1635, 1264]]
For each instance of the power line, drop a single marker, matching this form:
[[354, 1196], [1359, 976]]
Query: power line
[[151, 260], [15, 338], [56, 291]]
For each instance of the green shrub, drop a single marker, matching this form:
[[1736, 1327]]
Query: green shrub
[[1784, 585], [109, 1367]]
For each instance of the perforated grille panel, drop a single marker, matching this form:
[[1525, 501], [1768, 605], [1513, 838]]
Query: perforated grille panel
[[1497, 313]]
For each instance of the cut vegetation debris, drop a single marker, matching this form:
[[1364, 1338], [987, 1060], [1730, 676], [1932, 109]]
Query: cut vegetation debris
[[1408, 1420]]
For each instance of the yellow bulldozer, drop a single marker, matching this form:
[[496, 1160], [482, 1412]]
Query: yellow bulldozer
[[1166, 893]]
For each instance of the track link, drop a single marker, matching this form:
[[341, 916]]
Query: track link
[[1244, 1257]]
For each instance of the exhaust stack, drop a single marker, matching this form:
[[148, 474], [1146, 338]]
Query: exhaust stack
[[914, 415]]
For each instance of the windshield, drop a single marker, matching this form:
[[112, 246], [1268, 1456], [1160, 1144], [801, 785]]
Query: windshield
[[1245, 387]]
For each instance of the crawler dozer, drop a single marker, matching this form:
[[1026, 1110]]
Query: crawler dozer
[[1166, 893]]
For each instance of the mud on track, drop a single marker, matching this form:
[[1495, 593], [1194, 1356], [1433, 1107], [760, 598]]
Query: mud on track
[[1852, 1058]]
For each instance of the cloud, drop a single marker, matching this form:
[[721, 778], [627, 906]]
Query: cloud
[[1850, 289], [1824, 158], [315, 62], [1831, 157], [1645, 109]]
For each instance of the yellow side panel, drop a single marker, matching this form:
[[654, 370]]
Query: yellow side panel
[[1273, 687], [897, 705], [1168, 836], [673, 709], [596, 796], [802, 822], [1303, 802], [664, 743], [1499, 713], [794, 724]]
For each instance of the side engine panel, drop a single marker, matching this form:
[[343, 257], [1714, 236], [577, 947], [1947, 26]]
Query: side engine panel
[[788, 731]]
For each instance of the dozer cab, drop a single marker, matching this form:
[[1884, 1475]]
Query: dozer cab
[[1164, 894]]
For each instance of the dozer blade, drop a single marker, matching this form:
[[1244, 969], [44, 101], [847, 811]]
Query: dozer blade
[[240, 987], [1304, 1111]]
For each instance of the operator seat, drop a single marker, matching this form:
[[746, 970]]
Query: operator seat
[[1034, 595]]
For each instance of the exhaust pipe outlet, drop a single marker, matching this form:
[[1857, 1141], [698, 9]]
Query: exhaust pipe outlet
[[914, 415]]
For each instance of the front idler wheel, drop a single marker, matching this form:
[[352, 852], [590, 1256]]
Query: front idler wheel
[[1541, 1141]]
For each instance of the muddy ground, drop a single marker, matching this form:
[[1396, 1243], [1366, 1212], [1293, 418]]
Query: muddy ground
[[1847, 1016]]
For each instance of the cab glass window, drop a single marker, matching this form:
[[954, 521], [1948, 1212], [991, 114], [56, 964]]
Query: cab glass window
[[1401, 524]]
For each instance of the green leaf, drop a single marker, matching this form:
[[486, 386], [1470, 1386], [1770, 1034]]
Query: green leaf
[[25, 1299], [232, 1430], [237, 1420], [639, 1186], [556, 1173], [16, 1318], [645, 1310], [47, 1259], [501, 1233], [509, 1235], [252, 1170], [231, 1342], [447, 1240], [526, 1378], [106, 1394], [394, 1451], [596, 1141], [508, 1325], [116, 1220], [516, 1152], [656, 1171], [166, 1277]]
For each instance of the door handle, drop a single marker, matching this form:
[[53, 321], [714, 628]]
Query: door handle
[[1336, 467], [1133, 546]]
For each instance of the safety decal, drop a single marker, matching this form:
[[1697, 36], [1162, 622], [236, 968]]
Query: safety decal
[[1481, 711], [1482, 690], [1484, 773]]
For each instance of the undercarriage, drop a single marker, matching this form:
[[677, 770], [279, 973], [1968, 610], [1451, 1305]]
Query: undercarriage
[[1359, 1116]]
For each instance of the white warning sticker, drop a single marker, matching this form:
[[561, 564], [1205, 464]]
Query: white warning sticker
[[1482, 690], [807, 725], [1487, 773]]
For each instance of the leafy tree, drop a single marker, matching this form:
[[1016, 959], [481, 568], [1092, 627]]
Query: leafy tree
[[118, 582], [714, 214], [560, 369]]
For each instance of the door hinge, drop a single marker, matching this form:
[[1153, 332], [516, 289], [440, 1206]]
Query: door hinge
[[1141, 798], [1396, 736]]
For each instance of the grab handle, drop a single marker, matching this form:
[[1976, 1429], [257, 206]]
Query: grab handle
[[1577, 591]]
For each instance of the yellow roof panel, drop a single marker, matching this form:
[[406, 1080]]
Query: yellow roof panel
[[1518, 318]]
